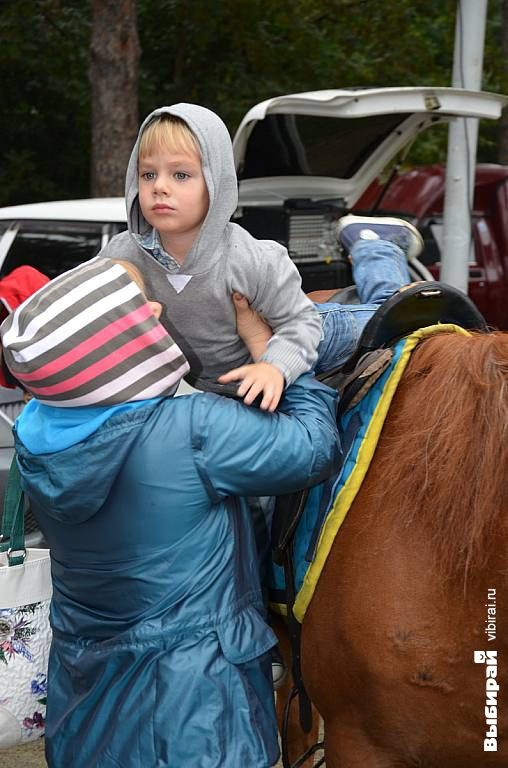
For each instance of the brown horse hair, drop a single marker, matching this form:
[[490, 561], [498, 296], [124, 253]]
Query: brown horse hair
[[449, 436]]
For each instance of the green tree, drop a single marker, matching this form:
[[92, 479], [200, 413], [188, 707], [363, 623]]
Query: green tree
[[234, 53], [44, 109]]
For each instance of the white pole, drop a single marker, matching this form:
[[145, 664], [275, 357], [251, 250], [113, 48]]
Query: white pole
[[462, 140]]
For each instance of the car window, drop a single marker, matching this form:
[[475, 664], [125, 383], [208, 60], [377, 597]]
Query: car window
[[53, 247], [309, 145]]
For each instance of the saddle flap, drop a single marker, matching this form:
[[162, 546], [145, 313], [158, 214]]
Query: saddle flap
[[413, 307]]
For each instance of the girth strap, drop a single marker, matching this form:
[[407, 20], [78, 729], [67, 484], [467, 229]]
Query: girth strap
[[295, 631]]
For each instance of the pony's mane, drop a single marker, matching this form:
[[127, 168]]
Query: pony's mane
[[445, 459]]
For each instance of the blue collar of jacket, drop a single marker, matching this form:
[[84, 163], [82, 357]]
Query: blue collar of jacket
[[48, 429]]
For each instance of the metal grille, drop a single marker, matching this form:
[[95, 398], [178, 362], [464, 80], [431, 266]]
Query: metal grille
[[311, 237]]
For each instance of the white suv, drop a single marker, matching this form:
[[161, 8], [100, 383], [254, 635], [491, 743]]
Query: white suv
[[56, 236]]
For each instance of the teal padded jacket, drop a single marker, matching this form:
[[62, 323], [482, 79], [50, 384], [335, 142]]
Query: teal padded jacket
[[159, 654]]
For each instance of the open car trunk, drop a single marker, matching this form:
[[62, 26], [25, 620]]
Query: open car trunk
[[303, 160]]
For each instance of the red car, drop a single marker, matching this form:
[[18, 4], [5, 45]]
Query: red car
[[418, 195]]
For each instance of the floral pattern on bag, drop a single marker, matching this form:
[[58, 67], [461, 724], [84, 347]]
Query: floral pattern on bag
[[34, 722], [16, 631], [25, 638], [39, 687]]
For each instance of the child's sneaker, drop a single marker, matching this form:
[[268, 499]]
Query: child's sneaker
[[398, 231], [279, 669]]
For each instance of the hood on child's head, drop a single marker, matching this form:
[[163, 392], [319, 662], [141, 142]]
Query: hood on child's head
[[218, 170], [89, 337]]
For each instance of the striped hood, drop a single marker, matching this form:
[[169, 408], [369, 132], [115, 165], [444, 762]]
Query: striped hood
[[89, 338]]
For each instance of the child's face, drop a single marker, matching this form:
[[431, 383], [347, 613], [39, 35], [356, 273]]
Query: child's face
[[173, 195]]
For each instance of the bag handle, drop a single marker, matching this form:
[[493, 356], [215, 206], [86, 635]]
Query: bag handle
[[12, 536]]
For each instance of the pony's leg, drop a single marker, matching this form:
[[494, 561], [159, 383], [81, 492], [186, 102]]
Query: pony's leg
[[349, 747], [298, 741]]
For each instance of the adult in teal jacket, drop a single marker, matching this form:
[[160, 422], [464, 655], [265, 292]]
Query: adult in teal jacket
[[160, 647]]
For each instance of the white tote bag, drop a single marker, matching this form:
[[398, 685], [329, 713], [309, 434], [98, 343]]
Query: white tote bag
[[25, 635]]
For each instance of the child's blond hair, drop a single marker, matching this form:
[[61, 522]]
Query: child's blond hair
[[133, 272], [170, 133]]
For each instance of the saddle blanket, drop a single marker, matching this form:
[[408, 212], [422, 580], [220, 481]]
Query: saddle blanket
[[329, 502]]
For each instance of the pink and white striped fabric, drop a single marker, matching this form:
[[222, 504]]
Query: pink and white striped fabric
[[90, 338]]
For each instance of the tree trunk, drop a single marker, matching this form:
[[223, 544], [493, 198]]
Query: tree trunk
[[502, 152], [113, 75]]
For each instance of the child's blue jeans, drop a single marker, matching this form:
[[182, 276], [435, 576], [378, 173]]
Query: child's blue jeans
[[379, 269]]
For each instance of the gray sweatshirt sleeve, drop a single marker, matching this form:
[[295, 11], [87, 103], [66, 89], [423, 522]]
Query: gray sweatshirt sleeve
[[295, 321]]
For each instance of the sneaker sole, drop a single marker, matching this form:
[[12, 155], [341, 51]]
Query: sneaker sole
[[413, 251]]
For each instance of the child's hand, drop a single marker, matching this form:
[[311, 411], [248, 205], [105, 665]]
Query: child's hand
[[256, 378]]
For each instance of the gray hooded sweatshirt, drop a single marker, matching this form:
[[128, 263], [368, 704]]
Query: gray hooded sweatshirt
[[197, 307]]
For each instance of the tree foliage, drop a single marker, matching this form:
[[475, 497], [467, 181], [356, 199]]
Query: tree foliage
[[227, 55], [44, 110], [234, 53]]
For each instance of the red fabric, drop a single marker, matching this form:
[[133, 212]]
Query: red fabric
[[15, 288]]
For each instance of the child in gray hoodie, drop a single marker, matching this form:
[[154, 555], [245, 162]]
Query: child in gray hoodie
[[181, 191]]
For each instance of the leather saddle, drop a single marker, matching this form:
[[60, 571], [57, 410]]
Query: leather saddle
[[415, 306], [412, 307]]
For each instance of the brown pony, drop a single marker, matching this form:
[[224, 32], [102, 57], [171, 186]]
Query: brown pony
[[417, 579]]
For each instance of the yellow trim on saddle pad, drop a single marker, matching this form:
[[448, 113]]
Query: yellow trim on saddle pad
[[351, 487]]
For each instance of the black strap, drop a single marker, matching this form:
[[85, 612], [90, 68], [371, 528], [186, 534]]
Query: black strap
[[12, 538], [295, 629], [287, 514]]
